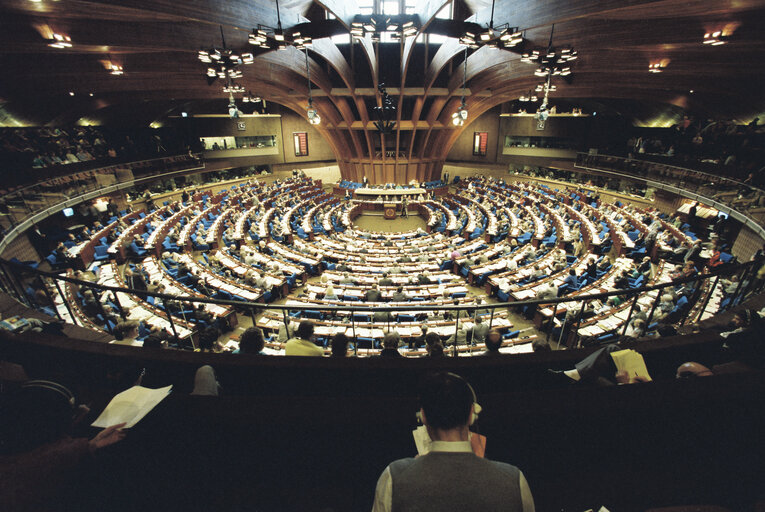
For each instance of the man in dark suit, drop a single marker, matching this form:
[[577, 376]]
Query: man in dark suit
[[386, 281], [399, 295], [592, 268], [373, 294]]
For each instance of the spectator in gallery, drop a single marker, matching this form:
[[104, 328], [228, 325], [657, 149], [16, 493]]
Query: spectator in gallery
[[390, 345], [301, 344], [340, 345], [450, 477], [40, 462], [251, 342], [433, 345], [493, 343]]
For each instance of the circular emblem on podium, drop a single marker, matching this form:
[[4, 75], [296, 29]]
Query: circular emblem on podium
[[390, 213]]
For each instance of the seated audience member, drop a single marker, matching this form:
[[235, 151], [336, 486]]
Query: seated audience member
[[450, 477], [399, 295], [347, 281], [433, 345], [301, 344], [373, 294], [480, 330], [208, 339], [622, 281], [382, 316], [390, 345], [571, 280], [205, 382], [125, 333], [340, 345], [251, 342], [460, 336], [286, 332], [40, 463], [493, 343], [636, 328], [547, 292], [329, 293], [540, 346]]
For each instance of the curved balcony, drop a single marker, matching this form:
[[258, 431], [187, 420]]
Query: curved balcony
[[739, 199], [24, 206]]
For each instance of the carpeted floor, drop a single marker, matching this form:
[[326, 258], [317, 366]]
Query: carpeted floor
[[376, 222]]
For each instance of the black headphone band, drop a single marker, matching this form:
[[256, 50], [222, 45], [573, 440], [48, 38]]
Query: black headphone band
[[52, 386]]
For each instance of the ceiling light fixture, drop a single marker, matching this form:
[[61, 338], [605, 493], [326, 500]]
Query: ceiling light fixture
[[551, 61], [716, 38], [386, 112], [401, 26], [59, 41], [312, 114], [223, 62], [459, 117]]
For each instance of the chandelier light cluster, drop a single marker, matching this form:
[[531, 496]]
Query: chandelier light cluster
[[224, 62], [502, 36], [530, 96], [716, 38], [553, 61], [658, 66], [59, 41], [269, 38], [251, 98], [386, 112], [233, 87], [400, 26], [544, 88]]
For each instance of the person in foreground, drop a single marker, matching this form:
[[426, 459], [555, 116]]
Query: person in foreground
[[451, 477]]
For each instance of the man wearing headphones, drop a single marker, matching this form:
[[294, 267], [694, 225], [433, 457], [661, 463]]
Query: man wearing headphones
[[450, 477]]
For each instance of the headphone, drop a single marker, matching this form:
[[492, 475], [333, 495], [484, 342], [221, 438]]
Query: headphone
[[51, 386], [476, 407]]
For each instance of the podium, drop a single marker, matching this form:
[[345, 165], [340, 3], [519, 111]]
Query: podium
[[390, 210]]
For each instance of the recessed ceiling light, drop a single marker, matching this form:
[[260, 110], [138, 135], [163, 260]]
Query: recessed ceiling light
[[91, 94], [71, 93]]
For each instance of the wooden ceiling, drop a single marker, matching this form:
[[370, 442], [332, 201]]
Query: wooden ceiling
[[156, 41]]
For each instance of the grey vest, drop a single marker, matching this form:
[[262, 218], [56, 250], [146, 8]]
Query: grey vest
[[457, 482]]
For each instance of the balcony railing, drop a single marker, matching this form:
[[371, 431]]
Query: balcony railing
[[706, 294]]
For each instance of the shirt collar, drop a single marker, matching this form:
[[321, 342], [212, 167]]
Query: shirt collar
[[451, 446]]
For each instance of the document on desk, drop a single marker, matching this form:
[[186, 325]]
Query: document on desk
[[131, 406]]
